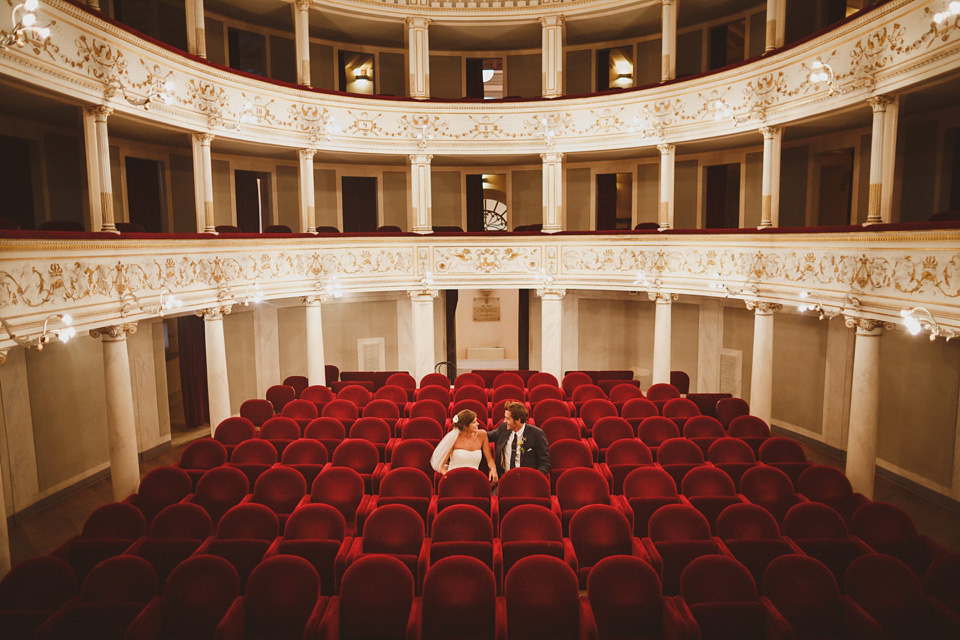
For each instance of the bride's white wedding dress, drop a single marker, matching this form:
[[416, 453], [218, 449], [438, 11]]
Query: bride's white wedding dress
[[463, 458]]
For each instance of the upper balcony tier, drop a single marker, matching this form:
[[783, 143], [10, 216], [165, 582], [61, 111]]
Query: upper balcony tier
[[895, 47]]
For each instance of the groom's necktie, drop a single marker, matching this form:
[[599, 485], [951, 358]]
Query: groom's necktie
[[513, 451]]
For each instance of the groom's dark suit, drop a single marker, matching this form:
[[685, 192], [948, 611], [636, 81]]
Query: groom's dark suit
[[535, 453]]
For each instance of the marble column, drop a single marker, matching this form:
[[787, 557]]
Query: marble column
[[662, 335], [552, 56], [775, 25], [864, 404], [891, 123], [203, 182], [418, 45], [121, 423], [668, 156], [420, 194], [4, 533], [308, 196], [770, 189], [877, 148], [551, 331], [196, 28], [92, 155], [552, 191], [218, 386], [668, 67], [761, 375], [421, 320], [316, 361], [301, 25], [100, 115]]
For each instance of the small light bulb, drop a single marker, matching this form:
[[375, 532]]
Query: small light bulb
[[31, 5], [939, 18], [955, 8], [66, 319], [44, 33], [817, 64], [29, 20]]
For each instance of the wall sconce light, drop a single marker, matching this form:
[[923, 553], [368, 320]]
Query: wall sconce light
[[24, 19], [333, 289], [252, 294], [824, 312], [720, 109], [47, 335], [920, 318], [822, 73], [362, 74], [488, 74], [953, 10], [171, 302]]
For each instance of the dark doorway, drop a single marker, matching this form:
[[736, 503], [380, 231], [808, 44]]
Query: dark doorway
[[487, 202], [727, 43], [248, 51], [954, 176], [359, 203], [253, 200], [523, 329], [450, 299], [614, 193], [836, 187], [475, 202], [145, 195], [16, 181], [722, 204]]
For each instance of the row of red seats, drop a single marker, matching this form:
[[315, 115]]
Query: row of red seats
[[670, 562], [646, 489]]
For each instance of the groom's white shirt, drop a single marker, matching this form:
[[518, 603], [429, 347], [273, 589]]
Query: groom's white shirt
[[516, 434]]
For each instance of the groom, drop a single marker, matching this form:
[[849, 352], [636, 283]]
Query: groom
[[519, 444]]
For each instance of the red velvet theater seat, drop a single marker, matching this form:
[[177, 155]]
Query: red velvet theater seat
[[200, 456], [579, 487], [375, 601], [316, 533], [655, 430], [375, 431], [243, 537], [770, 488], [459, 602], [280, 431], [821, 533], [395, 530], [363, 457], [107, 532], [280, 489], [751, 534], [462, 529], [305, 456], [678, 534], [408, 486], [825, 484], [112, 595], [624, 595], [31, 592], [329, 432], [543, 601], [645, 490], [342, 488], [723, 599], [256, 410], [175, 534], [161, 487], [888, 529], [787, 455], [218, 490], [279, 395], [197, 595], [889, 591], [598, 531], [253, 457], [623, 456], [733, 456], [523, 485], [466, 486], [711, 491], [531, 529], [805, 592], [608, 430]]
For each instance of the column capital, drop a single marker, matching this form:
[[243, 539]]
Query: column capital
[[666, 3], [204, 138], [307, 154], [303, 5], [763, 308], [100, 112], [867, 326], [115, 332], [552, 21], [417, 21], [423, 295], [662, 297], [551, 293], [770, 132], [214, 313], [552, 156], [3, 356], [879, 103], [420, 158], [314, 299], [664, 149]]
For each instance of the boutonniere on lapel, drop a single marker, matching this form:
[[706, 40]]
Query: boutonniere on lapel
[[521, 441]]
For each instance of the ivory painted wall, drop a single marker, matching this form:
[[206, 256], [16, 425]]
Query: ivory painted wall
[[799, 369], [238, 331], [501, 333], [920, 383]]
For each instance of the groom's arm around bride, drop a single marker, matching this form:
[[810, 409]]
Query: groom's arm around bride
[[531, 447]]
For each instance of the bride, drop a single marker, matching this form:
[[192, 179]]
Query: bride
[[464, 446]]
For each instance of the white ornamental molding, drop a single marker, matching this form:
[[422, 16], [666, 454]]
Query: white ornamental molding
[[95, 280], [891, 48]]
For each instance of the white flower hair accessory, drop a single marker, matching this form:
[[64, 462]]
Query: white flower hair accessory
[[455, 419]]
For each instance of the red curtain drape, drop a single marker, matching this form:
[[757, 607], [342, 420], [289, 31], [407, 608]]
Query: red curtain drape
[[193, 370]]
